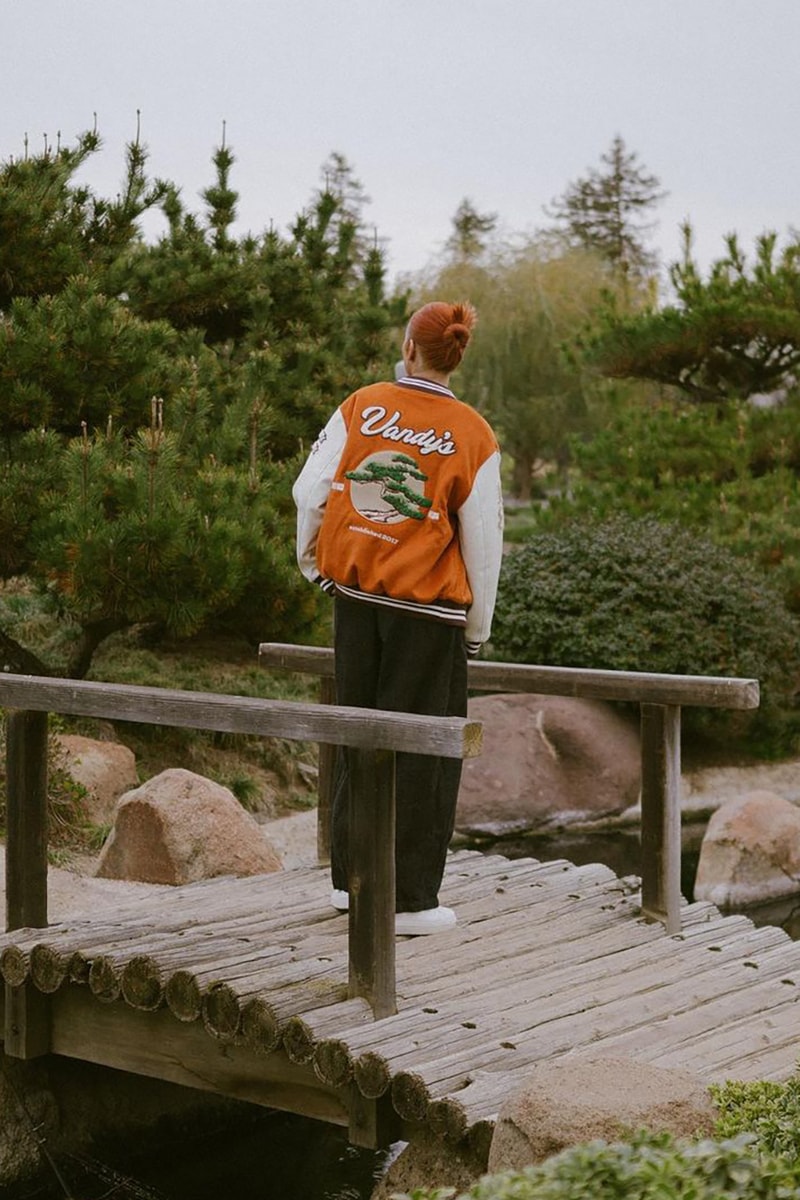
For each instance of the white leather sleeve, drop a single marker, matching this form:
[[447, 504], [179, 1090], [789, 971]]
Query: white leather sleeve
[[311, 490], [480, 528]]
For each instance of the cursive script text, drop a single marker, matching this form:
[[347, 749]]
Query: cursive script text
[[375, 423]]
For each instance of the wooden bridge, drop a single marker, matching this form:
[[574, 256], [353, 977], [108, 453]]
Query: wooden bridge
[[255, 988]]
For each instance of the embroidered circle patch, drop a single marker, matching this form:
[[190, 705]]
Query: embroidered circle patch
[[389, 487]]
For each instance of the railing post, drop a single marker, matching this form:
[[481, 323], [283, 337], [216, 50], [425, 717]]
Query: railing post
[[27, 1012], [371, 838], [26, 820], [661, 813], [327, 763]]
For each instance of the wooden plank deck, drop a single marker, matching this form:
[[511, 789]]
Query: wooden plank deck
[[240, 986]]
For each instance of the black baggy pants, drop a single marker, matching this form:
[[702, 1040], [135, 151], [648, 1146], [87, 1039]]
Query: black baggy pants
[[388, 660]]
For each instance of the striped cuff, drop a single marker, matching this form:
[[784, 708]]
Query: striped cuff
[[327, 585], [473, 649]]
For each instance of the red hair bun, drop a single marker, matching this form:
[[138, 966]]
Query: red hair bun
[[442, 332]]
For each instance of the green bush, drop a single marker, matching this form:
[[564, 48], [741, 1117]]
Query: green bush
[[632, 594], [649, 1167], [731, 473], [768, 1110]]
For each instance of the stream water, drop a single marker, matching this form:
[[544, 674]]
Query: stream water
[[620, 851], [281, 1157], [275, 1156]]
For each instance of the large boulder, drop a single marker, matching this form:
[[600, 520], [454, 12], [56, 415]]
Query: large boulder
[[179, 827], [750, 852], [571, 1100], [547, 760], [105, 769]]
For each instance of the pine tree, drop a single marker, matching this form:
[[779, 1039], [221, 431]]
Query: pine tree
[[154, 400], [80, 356], [52, 229], [730, 336], [605, 211], [309, 308], [470, 232], [221, 199], [340, 184]]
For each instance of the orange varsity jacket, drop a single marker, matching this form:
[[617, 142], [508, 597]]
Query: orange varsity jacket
[[399, 503]]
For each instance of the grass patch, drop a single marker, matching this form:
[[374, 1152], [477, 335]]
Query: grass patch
[[269, 776]]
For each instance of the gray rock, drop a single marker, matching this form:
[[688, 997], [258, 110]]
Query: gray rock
[[547, 760], [750, 852], [572, 1100], [179, 827]]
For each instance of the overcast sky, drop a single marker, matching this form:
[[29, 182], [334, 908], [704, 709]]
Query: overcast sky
[[504, 101]]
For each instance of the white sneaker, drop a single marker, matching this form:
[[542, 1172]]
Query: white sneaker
[[430, 920], [340, 900]]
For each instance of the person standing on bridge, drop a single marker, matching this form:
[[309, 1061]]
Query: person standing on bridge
[[400, 518]]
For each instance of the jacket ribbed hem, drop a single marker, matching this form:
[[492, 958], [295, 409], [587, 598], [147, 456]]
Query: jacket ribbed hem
[[441, 610]]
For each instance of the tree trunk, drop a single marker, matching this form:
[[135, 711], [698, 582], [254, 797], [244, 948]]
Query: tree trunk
[[15, 659], [91, 636], [522, 476]]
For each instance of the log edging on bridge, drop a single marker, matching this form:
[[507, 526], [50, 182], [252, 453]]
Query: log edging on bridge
[[549, 959]]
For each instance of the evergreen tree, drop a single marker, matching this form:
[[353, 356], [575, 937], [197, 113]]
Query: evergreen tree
[[80, 356], [339, 182], [51, 229], [144, 530], [221, 199], [730, 473], [606, 211], [730, 336], [154, 400], [470, 232], [713, 440], [304, 314]]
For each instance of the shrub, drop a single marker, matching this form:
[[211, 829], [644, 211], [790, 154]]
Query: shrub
[[768, 1110], [649, 1166], [632, 594], [729, 472]]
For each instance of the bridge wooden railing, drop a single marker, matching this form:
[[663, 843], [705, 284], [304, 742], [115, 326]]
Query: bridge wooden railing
[[372, 739], [660, 698]]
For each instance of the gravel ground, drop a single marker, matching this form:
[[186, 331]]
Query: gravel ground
[[75, 891]]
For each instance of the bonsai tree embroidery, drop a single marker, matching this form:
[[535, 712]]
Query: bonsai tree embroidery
[[395, 492]]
